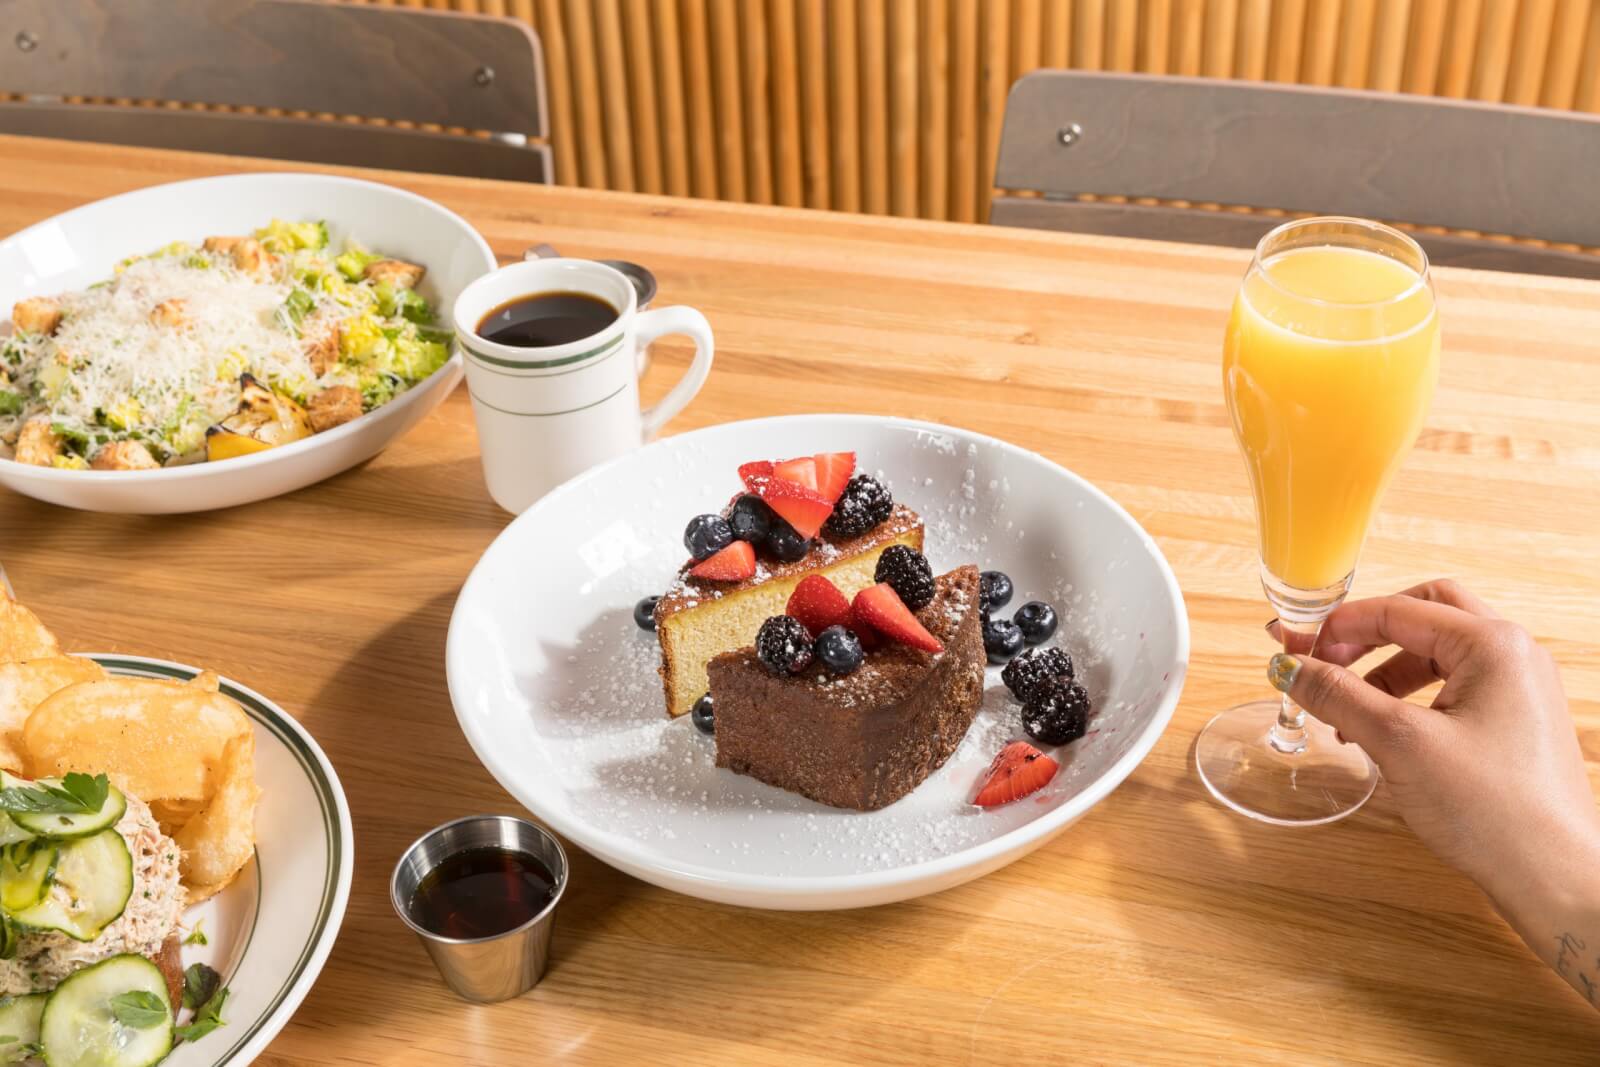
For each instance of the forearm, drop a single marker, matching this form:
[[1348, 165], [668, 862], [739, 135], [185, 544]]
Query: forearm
[[1552, 899]]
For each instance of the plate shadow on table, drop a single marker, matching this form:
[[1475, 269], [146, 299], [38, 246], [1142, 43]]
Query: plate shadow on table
[[1419, 986]]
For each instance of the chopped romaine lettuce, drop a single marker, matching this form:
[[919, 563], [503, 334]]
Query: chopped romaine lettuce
[[353, 263], [282, 237]]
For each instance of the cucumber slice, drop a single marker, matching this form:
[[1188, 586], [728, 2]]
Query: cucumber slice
[[26, 870], [19, 1026], [10, 832], [9, 937], [65, 826], [96, 876], [78, 1027]]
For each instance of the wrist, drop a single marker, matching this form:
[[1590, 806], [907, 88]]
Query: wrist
[[1549, 888]]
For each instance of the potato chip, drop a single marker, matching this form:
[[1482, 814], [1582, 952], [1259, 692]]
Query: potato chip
[[219, 841], [24, 686], [22, 635], [156, 739], [172, 814]]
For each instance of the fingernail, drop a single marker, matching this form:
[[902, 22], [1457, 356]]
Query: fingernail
[[1270, 624], [1281, 671]]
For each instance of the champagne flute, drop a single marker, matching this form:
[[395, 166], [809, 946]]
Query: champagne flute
[[1329, 365]]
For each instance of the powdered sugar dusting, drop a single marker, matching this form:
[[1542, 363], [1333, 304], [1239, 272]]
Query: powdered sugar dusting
[[595, 733]]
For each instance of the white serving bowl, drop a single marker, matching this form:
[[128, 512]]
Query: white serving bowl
[[82, 246], [555, 686]]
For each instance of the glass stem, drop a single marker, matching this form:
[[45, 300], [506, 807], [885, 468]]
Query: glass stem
[[1289, 732]]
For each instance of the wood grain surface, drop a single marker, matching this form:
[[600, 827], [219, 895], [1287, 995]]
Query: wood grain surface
[[1161, 930]]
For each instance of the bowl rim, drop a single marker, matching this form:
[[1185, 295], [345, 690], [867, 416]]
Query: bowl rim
[[450, 369], [626, 853], [267, 714]]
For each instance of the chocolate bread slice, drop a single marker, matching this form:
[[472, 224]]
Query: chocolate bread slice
[[866, 739]]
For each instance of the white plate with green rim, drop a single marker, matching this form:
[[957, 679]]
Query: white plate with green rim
[[269, 933]]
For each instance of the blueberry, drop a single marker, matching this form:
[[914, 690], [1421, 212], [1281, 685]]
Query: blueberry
[[1056, 712], [908, 573], [644, 613], [839, 650], [704, 717], [1001, 640], [706, 535], [783, 645], [785, 544], [994, 589], [750, 519], [1036, 666], [1036, 620]]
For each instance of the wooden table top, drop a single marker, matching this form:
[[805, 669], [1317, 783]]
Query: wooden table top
[[1159, 930]]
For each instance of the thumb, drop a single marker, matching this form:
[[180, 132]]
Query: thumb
[[1387, 728]]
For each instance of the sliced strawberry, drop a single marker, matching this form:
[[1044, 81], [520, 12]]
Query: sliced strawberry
[[755, 474], [1018, 770], [802, 471], [733, 564], [800, 507], [818, 604], [883, 609], [870, 638], [833, 473]]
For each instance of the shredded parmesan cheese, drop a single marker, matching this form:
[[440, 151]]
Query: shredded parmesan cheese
[[156, 353]]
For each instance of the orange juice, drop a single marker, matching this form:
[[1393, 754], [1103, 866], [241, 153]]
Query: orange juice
[[1329, 364]]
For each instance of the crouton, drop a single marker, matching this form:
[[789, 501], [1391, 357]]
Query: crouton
[[334, 406], [320, 339], [249, 256], [37, 314], [397, 272], [124, 456], [36, 444], [173, 313], [221, 244]]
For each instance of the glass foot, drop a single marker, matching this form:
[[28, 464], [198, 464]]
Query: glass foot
[[1321, 782]]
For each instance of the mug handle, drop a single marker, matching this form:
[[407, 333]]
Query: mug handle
[[689, 322]]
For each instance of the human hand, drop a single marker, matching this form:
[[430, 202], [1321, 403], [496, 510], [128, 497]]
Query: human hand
[[1490, 777], [1495, 756]]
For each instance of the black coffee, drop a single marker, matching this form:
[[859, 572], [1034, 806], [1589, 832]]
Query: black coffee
[[546, 319]]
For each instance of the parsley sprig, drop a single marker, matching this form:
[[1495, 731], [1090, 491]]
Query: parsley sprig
[[140, 1009], [204, 992], [75, 794]]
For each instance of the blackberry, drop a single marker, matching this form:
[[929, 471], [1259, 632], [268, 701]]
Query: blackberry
[[644, 613], [839, 650], [907, 572], [750, 519], [1037, 621], [1001, 640], [1056, 712], [785, 544], [706, 535], [703, 715], [994, 589], [864, 504], [783, 645], [1035, 666]]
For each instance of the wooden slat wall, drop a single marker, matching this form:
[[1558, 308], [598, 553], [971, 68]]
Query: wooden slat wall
[[894, 106]]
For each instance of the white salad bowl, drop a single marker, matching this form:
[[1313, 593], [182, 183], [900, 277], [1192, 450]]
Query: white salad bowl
[[79, 247], [556, 689]]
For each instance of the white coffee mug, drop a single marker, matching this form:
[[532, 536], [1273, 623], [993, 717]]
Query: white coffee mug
[[545, 414]]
